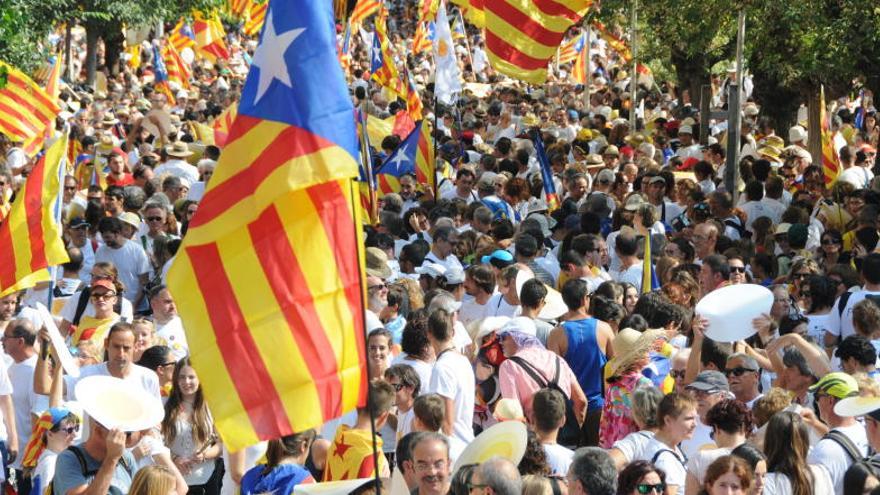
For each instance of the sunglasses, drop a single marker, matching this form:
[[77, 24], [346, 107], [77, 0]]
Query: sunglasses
[[828, 242], [677, 374], [737, 269], [644, 488], [740, 371], [398, 386], [154, 219], [104, 296], [377, 287], [70, 430], [800, 275]]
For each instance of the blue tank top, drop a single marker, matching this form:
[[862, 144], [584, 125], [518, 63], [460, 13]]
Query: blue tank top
[[586, 360]]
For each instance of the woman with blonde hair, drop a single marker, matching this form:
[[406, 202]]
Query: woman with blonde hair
[[534, 484], [144, 336], [153, 480], [786, 445]]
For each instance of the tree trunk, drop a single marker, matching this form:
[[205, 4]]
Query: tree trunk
[[92, 34], [692, 73], [779, 103], [113, 47]]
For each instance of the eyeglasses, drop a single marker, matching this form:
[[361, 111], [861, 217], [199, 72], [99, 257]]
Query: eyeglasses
[[66, 188], [169, 363], [154, 219], [398, 386], [738, 269], [103, 296], [70, 430], [377, 287], [644, 489], [800, 275], [677, 374], [738, 371], [828, 242]]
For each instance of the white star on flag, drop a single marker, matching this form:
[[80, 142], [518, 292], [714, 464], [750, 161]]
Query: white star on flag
[[269, 57]]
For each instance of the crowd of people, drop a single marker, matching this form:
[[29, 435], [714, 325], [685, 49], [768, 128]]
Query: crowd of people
[[490, 299]]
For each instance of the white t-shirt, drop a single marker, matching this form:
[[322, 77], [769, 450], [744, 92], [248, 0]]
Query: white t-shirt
[[842, 325], [632, 275], [699, 463], [68, 311], [471, 310], [172, 335], [143, 377], [497, 306], [699, 440], [5, 389], [453, 378], [25, 400], [816, 326], [252, 454], [45, 469], [671, 461], [779, 484], [633, 446], [558, 458], [178, 168], [421, 368], [131, 262], [833, 457]]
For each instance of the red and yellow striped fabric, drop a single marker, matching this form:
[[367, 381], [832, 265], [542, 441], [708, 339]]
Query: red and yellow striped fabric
[[387, 75], [182, 36], [615, 42], [569, 50], [362, 10], [580, 68], [222, 125], [26, 110], [53, 88], [256, 16], [237, 8], [210, 36], [830, 160], [421, 43], [413, 102], [178, 70], [5, 204], [522, 36], [426, 164], [472, 10], [30, 236], [256, 294]]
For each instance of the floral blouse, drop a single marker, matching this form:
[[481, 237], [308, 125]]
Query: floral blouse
[[617, 421]]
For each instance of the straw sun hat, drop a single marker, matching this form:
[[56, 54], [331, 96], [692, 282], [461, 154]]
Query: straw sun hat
[[629, 346]]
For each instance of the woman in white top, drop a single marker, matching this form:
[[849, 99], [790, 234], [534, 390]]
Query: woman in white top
[[677, 418], [188, 430], [786, 444], [730, 421], [644, 410], [53, 433]]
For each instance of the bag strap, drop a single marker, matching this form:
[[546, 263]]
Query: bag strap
[[82, 461], [845, 443], [661, 451], [841, 304], [531, 371]]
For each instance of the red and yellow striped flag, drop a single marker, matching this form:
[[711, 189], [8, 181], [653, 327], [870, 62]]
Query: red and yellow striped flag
[[210, 36], [580, 68], [426, 164], [256, 16], [270, 265], [413, 102], [26, 110], [522, 36], [182, 36], [472, 10], [615, 42], [178, 70], [830, 160], [421, 39], [30, 237], [223, 123], [53, 88], [362, 10], [385, 72], [237, 8]]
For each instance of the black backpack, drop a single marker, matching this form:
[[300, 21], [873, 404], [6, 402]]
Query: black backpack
[[86, 472], [570, 433]]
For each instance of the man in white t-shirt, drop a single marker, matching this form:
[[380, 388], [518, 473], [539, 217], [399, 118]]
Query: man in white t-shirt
[[840, 320], [708, 388], [847, 434], [169, 326], [444, 240], [452, 378], [18, 342], [128, 256], [548, 411]]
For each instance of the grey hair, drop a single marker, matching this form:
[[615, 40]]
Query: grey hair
[[746, 359], [644, 405], [501, 475], [427, 436], [443, 300], [595, 470]]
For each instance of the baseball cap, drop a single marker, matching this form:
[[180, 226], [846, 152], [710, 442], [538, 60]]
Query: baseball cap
[[605, 176], [499, 259], [838, 384], [79, 222], [710, 381], [454, 276]]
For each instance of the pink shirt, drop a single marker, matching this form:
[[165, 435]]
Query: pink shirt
[[517, 384]]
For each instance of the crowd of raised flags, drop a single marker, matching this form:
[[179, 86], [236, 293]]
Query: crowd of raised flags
[[396, 242]]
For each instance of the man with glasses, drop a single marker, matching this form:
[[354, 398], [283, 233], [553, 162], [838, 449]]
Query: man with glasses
[[444, 239], [744, 376], [847, 442], [155, 217], [431, 464]]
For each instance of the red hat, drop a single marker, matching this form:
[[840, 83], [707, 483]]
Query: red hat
[[103, 282]]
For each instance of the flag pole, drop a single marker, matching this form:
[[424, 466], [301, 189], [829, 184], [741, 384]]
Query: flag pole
[[363, 287], [634, 81], [434, 139], [467, 44]]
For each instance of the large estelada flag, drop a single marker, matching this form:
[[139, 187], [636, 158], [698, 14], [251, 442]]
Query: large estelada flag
[[268, 275], [26, 110], [522, 36], [30, 236], [830, 159]]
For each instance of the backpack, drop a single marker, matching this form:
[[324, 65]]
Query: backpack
[[86, 472], [570, 433], [677, 458], [739, 227], [846, 444]]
